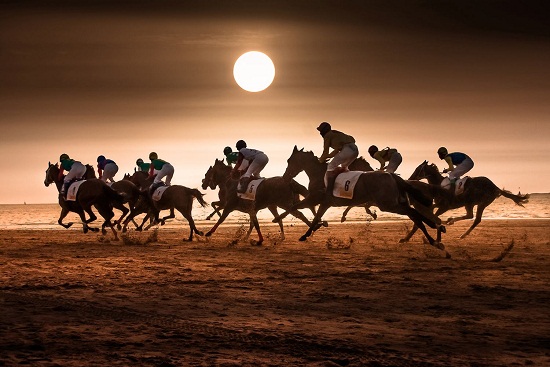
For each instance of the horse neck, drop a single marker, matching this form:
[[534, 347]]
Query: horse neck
[[434, 177], [221, 175], [315, 171]]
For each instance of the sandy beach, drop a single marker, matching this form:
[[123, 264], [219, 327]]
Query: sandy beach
[[349, 296]]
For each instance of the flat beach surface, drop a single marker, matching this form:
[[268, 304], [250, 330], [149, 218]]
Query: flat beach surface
[[351, 296]]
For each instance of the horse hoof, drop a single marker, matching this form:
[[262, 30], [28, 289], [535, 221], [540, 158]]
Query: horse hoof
[[442, 229], [324, 223], [303, 238], [208, 234], [200, 233], [439, 245], [103, 232], [403, 240], [447, 255], [119, 227], [85, 230], [343, 219]]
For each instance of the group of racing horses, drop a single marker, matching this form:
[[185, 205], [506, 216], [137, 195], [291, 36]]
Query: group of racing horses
[[422, 202]]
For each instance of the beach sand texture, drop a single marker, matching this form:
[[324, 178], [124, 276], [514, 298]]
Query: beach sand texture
[[349, 296]]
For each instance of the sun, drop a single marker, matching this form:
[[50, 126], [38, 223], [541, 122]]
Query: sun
[[254, 71]]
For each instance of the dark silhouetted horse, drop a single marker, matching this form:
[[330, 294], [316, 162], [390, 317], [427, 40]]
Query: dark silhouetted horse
[[273, 192], [478, 191], [92, 192], [387, 191]]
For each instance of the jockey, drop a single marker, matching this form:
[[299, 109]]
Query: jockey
[[387, 154], [164, 169], [106, 168], [257, 160], [142, 166], [459, 164], [75, 170], [231, 157], [344, 152]]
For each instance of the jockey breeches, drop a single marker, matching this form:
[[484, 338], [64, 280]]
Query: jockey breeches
[[166, 171], [257, 165], [394, 162], [344, 157], [109, 172], [461, 169], [78, 170]]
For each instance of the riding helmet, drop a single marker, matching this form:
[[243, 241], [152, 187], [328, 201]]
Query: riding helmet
[[442, 152], [139, 161], [240, 144], [153, 156], [227, 150], [63, 156], [373, 149], [324, 128], [100, 158]]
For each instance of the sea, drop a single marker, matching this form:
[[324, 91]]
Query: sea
[[45, 216]]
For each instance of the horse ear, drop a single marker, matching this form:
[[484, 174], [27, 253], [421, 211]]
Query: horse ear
[[295, 149], [425, 162], [301, 150]]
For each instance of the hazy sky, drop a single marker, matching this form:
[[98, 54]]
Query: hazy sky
[[124, 79]]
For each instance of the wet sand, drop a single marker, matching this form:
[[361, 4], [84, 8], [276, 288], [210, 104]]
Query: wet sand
[[350, 296]]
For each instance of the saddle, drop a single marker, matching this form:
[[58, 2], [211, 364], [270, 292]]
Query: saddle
[[459, 184]]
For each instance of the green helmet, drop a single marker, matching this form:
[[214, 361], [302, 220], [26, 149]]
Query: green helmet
[[63, 156], [139, 161], [227, 150], [153, 155]]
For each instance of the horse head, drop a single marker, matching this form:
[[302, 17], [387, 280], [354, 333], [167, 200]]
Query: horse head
[[420, 172], [51, 174], [126, 177], [208, 181], [298, 162]]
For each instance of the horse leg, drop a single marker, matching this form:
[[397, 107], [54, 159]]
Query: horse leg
[[216, 205], [273, 210], [322, 209], [250, 227], [367, 210], [192, 228], [62, 216], [257, 226], [124, 211], [409, 235], [172, 215], [229, 207], [469, 215], [479, 213], [309, 201]]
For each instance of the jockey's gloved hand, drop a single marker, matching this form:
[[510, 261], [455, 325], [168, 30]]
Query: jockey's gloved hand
[[445, 170]]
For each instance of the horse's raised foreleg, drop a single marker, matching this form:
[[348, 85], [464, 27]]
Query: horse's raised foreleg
[[316, 221], [367, 210], [469, 215], [216, 205], [62, 216], [172, 215], [479, 213], [229, 207]]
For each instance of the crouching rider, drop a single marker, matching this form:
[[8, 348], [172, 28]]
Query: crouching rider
[[75, 170], [256, 159], [344, 152]]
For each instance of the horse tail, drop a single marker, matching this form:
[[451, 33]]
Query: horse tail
[[199, 196], [298, 188], [519, 199], [113, 195], [412, 191]]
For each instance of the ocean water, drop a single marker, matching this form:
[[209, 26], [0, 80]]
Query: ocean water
[[44, 216]]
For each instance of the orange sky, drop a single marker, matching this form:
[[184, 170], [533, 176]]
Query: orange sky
[[125, 80]]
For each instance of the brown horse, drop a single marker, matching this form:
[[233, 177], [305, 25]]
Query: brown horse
[[93, 192], [175, 197], [478, 191], [387, 191], [273, 192], [212, 179]]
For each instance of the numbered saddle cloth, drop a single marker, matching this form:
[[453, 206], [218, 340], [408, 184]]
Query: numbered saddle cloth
[[73, 190], [345, 184], [459, 184], [157, 195], [250, 193]]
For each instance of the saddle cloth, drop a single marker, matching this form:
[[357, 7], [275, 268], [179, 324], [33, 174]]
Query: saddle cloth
[[157, 195], [345, 184], [73, 190], [250, 193], [459, 184]]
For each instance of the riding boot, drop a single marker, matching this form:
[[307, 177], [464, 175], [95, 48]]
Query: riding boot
[[154, 186], [331, 179], [243, 184], [64, 189]]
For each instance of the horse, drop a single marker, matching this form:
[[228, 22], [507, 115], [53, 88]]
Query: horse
[[273, 192], [479, 191], [131, 195], [175, 197], [387, 191], [211, 180], [92, 192]]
